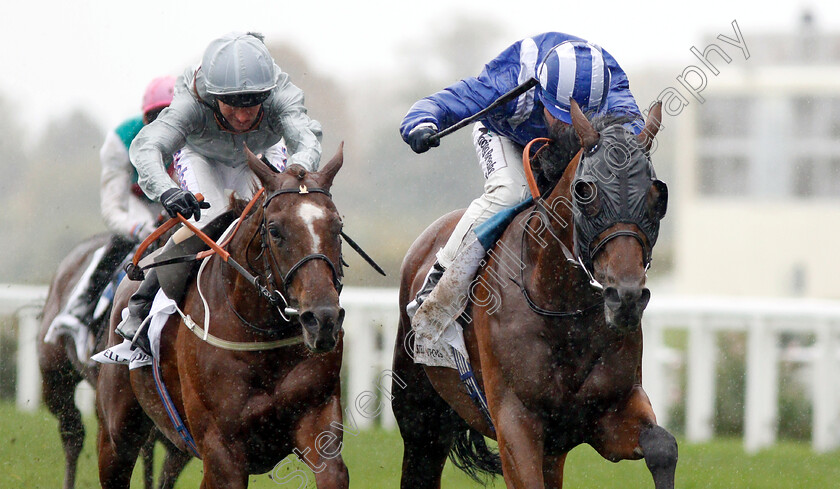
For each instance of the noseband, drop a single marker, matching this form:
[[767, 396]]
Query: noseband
[[646, 251]]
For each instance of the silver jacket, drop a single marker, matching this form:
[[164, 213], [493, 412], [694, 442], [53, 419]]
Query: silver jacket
[[189, 121]]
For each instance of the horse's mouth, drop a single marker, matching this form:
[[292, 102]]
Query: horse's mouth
[[324, 344]]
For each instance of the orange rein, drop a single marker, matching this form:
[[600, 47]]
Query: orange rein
[[214, 248], [526, 164]]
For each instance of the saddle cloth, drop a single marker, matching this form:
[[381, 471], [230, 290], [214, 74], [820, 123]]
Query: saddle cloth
[[435, 339], [162, 308]]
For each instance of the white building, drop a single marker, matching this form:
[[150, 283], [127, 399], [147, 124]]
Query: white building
[[756, 184]]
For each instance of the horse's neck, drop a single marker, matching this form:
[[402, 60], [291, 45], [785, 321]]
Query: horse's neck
[[244, 248], [559, 217], [546, 248]]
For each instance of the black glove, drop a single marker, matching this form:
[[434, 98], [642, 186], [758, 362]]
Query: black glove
[[176, 201], [420, 139]]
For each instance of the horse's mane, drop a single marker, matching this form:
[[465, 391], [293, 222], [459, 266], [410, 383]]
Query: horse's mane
[[238, 204], [555, 158]]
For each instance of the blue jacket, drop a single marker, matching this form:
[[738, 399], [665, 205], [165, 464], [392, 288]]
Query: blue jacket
[[520, 120]]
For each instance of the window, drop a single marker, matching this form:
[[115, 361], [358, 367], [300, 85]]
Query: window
[[803, 177], [725, 117], [723, 176], [816, 177]]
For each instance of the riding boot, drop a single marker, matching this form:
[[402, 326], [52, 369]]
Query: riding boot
[[79, 311], [431, 280], [139, 306], [447, 300]]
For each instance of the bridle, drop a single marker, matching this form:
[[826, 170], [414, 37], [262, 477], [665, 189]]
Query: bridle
[[576, 260], [646, 250], [269, 259], [265, 284]]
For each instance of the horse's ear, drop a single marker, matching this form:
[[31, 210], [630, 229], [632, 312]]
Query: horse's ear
[[654, 119], [586, 133], [263, 172], [327, 173]]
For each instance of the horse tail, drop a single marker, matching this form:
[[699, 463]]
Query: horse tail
[[471, 454]]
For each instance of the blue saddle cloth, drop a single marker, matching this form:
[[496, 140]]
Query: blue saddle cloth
[[491, 230]]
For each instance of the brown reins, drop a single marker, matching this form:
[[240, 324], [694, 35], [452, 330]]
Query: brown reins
[[135, 272]]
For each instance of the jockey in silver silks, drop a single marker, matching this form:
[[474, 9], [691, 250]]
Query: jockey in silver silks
[[564, 66], [237, 96], [128, 214]]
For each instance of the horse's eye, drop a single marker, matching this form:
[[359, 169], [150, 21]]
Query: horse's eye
[[275, 233]]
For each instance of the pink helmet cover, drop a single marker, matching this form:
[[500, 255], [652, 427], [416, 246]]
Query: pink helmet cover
[[159, 93]]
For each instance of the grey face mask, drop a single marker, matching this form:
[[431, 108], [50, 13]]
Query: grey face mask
[[615, 183]]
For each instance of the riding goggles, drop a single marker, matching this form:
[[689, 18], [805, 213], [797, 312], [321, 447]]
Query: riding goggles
[[243, 99]]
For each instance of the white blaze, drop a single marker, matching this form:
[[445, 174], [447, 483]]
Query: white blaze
[[310, 213]]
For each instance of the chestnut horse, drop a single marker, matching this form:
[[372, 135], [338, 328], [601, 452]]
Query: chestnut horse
[[556, 350], [252, 391], [62, 372]]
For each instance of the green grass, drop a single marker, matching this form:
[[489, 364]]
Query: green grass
[[31, 458]]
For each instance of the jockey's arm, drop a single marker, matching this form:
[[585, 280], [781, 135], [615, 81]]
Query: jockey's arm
[[159, 140], [468, 96], [301, 133], [115, 191], [451, 105]]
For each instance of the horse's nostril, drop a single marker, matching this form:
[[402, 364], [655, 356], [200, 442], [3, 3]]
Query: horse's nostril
[[309, 320], [645, 298], [612, 298]]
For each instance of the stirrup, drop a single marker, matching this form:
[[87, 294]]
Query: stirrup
[[127, 333], [138, 338], [141, 341]]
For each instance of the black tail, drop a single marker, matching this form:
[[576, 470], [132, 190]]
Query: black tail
[[471, 454]]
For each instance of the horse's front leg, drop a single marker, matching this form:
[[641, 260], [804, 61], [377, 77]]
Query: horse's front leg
[[319, 441], [223, 461], [553, 471], [520, 436], [631, 432]]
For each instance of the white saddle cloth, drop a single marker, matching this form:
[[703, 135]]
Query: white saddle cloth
[[438, 352], [162, 308]]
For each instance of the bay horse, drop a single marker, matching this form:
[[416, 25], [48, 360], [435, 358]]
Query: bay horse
[[61, 373], [555, 345], [268, 385]]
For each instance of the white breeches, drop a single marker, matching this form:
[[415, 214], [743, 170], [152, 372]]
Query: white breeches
[[217, 181], [505, 186]]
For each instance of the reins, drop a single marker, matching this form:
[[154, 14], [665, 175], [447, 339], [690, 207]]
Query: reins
[[275, 297], [539, 203]]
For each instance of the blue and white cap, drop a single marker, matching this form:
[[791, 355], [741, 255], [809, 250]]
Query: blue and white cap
[[573, 69]]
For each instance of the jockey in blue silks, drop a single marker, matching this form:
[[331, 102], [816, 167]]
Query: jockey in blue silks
[[565, 66]]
